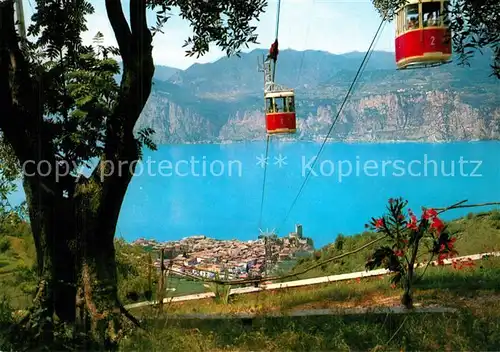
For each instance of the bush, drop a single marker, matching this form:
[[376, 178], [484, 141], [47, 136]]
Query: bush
[[406, 236], [495, 215], [6, 322], [339, 242], [4, 244]]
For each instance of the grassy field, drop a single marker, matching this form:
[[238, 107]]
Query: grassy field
[[185, 287], [351, 293], [359, 333]]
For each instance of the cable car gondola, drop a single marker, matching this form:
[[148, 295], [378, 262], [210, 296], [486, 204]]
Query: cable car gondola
[[280, 111], [279, 100], [422, 37]]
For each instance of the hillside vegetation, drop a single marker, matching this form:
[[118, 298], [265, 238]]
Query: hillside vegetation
[[473, 291], [477, 233], [17, 261]]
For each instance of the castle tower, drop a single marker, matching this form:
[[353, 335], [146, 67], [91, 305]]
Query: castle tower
[[298, 230]]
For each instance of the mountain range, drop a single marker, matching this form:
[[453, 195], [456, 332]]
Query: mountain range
[[222, 101]]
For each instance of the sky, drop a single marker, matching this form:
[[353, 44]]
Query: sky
[[334, 26]]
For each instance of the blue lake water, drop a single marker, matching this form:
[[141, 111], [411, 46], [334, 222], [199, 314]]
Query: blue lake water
[[216, 190]]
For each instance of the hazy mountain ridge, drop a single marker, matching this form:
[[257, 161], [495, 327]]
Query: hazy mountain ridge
[[223, 101]]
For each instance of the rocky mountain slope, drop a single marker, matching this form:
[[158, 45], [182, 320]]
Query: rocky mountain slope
[[223, 101]]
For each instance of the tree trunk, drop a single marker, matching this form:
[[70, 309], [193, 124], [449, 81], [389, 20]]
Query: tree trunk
[[101, 306], [98, 283], [407, 298], [76, 262], [51, 224]]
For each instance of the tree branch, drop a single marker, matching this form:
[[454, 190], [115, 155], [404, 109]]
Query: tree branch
[[120, 28], [138, 22], [458, 206], [15, 88], [453, 206], [127, 314], [121, 148]]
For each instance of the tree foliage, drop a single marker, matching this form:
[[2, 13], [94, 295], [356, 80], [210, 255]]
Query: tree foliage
[[77, 82], [474, 24], [10, 171], [9, 166], [225, 23]]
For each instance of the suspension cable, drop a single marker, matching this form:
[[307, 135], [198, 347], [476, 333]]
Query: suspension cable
[[360, 69], [264, 182], [276, 37], [273, 74], [278, 19], [304, 51]]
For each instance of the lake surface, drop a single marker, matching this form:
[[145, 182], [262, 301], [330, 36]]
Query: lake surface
[[216, 190]]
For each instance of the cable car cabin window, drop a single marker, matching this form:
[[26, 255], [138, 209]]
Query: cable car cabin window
[[290, 104], [279, 104], [399, 28], [275, 105], [431, 13], [412, 17], [269, 105]]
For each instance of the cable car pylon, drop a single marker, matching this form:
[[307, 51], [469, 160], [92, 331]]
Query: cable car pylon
[[267, 232]]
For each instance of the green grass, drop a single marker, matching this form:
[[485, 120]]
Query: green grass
[[185, 287], [427, 332], [475, 292]]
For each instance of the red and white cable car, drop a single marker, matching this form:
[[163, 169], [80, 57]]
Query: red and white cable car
[[280, 111], [279, 100], [422, 37]]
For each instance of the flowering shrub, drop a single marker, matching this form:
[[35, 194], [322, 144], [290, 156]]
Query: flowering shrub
[[406, 234]]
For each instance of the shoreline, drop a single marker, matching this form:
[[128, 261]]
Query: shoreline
[[333, 141], [447, 217]]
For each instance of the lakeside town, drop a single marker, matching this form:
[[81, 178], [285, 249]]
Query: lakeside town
[[231, 259]]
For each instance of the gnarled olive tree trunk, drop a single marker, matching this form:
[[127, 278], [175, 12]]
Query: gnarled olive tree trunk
[[74, 239], [75, 259], [53, 226]]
